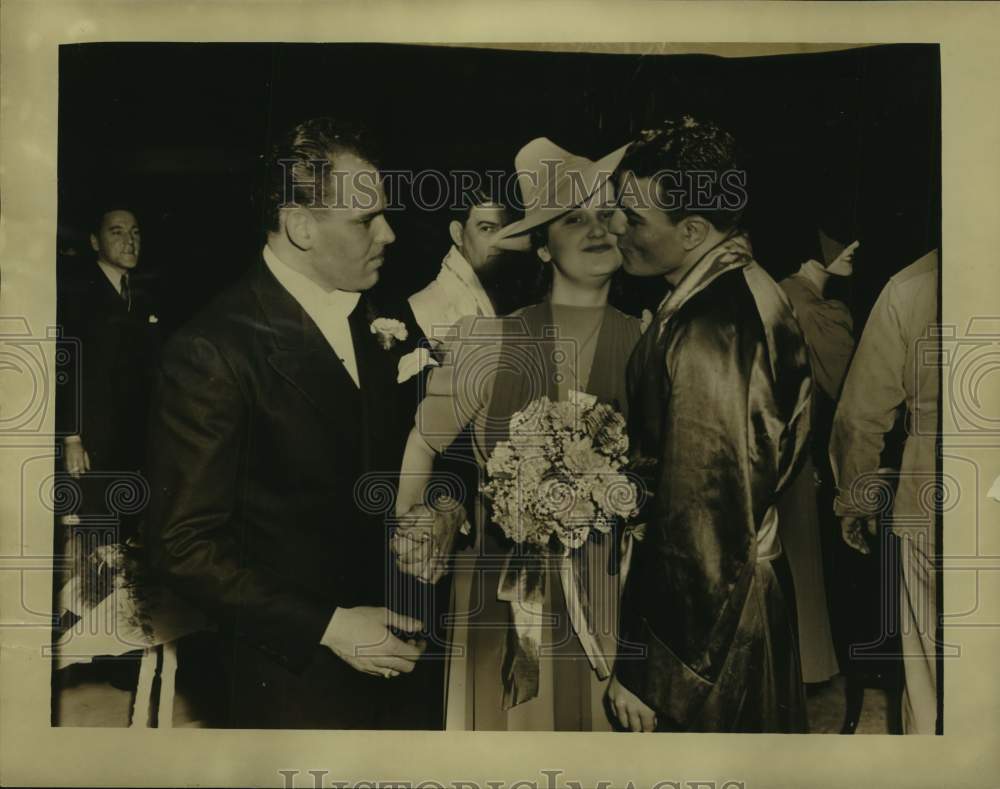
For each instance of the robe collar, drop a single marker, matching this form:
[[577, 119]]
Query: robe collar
[[733, 252]]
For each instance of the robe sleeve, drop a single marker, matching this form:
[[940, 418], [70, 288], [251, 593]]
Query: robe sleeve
[[867, 408], [683, 604]]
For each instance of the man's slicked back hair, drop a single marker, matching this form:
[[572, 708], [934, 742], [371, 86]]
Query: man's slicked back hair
[[296, 155]]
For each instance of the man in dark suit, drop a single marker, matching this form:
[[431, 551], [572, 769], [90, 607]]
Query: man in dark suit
[[108, 345], [277, 431], [110, 329]]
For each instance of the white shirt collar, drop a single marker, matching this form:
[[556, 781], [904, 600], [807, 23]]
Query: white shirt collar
[[329, 310], [314, 300]]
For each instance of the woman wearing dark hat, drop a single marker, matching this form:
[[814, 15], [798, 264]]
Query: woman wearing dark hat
[[518, 660]]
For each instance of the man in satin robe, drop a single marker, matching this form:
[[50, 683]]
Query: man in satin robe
[[719, 393]]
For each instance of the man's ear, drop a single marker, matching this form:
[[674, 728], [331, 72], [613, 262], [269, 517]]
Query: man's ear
[[695, 231], [299, 228], [455, 229], [94, 245]]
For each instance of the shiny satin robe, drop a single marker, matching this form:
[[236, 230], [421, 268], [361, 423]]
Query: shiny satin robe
[[719, 394]]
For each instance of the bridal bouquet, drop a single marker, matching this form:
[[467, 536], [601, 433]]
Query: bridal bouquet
[[560, 473]]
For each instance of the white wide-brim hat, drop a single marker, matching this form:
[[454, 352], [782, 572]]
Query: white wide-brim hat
[[554, 181]]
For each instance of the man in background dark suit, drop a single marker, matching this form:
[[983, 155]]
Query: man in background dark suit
[[277, 432], [109, 343], [110, 328]]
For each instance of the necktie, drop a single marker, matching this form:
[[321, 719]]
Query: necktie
[[126, 292]]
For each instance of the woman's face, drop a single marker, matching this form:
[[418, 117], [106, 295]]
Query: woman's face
[[581, 247]]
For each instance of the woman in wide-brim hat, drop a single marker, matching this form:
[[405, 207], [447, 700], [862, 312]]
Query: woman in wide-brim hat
[[518, 662]]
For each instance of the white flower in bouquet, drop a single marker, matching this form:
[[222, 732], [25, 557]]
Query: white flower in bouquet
[[566, 414], [529, 426], [582, 512], [580, 458], [559, 473], [503, 461], [532, 470], [530, 529], [574, 538], [621, 497], [602, 522], [607, 427], [553, 498], [600, 489]]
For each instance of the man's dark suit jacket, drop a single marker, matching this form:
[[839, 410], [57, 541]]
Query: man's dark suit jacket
[[103, 394], [260, 448]]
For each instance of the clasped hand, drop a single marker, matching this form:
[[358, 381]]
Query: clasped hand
[[361, 638], [423, 540]]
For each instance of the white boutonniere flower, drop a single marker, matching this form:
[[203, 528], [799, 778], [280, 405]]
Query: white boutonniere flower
[[413, 363], [645, 321], [153, 319], [389, 331]]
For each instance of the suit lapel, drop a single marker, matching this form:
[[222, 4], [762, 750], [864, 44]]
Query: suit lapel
[[301, 355], [319, 375], [377, 371], [104, 292], [368, 373]]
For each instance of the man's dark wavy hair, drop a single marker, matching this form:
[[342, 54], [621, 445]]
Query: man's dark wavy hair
[[683, 146], [316, 139], [105, 205], [484, 194]]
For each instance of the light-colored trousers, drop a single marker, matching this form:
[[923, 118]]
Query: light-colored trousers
[[914, 524]]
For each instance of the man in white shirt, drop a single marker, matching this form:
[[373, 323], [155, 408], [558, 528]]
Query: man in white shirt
[[279, 427], [469, 270]]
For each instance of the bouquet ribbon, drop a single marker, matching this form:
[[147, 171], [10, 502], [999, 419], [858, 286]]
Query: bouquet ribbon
[[631, 534], [522, 585]]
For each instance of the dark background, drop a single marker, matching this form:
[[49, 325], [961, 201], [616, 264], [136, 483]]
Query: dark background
[[851, 137]]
